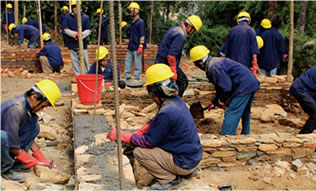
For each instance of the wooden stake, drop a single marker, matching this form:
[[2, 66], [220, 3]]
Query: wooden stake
[[290, 63], [80, 39]]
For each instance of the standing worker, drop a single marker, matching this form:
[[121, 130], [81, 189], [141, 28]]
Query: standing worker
[[235, 87], [304, 90], [19, 128], [171, 46], [104, 27], [264, 25], [137, 43], [33, 23], [71, 30], [61, 20], [50, 56], [241, 44], [273, 50], [26, 31], [168, 146], [8, 17]]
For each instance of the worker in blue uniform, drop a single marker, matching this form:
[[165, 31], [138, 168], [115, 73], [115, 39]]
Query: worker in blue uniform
[[168, 146], [171, 46], [264, 25], [108, 68], [304, 90], [104, 27], [273, 50], [8, 17], [26, 31], [33, 23], [50, 56], [71, 30], [235, 86], [61, 20], [137, 43], [19, 128], [241, 44]]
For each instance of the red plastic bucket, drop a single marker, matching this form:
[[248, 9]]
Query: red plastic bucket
[[86, 87]]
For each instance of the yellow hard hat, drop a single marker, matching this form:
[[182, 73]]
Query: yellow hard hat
[[134, 5], [266, 23], [9, 6], [99, 10], [259, 41], [157, 73], [102, 52], [50, 90], [243, 14], [65, 8], [11, 26], [74, 2], [196, 21], [24, 20], [123, 23], [198, 52], [46, 36]]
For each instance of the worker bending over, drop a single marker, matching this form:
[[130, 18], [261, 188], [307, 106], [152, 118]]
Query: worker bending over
[[33, 23], [26, 31], [168, 146], [19, 128], [235, 87]]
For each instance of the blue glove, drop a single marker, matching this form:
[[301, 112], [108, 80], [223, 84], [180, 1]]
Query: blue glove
[[20, 42]]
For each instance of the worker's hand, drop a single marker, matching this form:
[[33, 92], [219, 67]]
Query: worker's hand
[[76, 39], [27, 159], [143, 130], [173, 66], [41, 158], [20, 42], [254, 67], [221, 104], [285, 58], [140, 49], [5, 27], [125, 136]]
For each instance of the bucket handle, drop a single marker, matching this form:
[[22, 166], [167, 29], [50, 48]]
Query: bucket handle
[[91, 90]]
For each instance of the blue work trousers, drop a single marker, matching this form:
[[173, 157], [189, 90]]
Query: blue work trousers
[[239, 107], [269, 72], [137, 58]]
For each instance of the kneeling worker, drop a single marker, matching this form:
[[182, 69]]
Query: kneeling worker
[[19, 128], [50, 56], [168, 146], [108, 68]]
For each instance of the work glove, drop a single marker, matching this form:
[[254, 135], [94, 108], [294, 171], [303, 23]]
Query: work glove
[[212, 104], [76, 39], [20, 42], [254, 67], [140, 49], [143, 130], [41, 158], [221, 105], [125, 136], [173, 66], [27, 159], [108, 83], [5, 27], [285, 58]]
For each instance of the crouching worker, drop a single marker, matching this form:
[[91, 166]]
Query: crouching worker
[[50, 56], [235, 86], [19, 128], [108, 68], [168, 146]]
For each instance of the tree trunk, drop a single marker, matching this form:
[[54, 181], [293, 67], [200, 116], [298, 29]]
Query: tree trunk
[[302, 18], [40, 23], [273, 5], [149, 20], [55, 20]]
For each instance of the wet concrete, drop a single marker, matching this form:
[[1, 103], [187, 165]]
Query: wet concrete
[[84, 135]]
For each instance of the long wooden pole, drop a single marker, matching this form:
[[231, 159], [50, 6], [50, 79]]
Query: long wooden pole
[[55, 19], [16, 12], [290, 63], [24, 7], [80, 39], [120, 19], [7, 20], [40, 23]]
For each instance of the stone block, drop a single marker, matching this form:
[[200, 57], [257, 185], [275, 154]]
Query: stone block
[[248, 140], [245, 156], [291, 145], [267, 147], [90, 177], [222, 154], [51, 175], [310, 145], [281, 152], [209, 162], [211, 143], [100, 138], [47, 132], [82, 149]]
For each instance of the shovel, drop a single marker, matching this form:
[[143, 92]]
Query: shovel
[[197, 111]]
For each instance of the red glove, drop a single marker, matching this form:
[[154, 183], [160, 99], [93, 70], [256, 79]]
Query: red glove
[[173, 66], [76, 36], [108, 83], [284, 58], [5, 27], [41, 158], [27, 159], [140, 49], [221, 105], [210, 106], [125, 136], [254, 67], [143, 130]]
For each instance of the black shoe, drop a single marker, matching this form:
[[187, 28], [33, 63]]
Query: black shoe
[[20, 167], [192, 174], [158, 186], [14, 176]]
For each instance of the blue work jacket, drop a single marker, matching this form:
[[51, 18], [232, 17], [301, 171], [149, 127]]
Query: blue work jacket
[[35, 24], [229, 76], [272, 50], [70, 22], [29, 32], [136, 30], [173, 130], [241, 44], [172, 44], [10, 18], [53, 53], [61, 20], [304, 87], [104, 28], [107, 72], [17, 121]]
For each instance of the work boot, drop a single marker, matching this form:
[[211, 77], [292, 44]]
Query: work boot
[[14, 176], [192, 174], [158, 186], [20, 167]]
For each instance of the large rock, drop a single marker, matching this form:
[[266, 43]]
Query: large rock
[[47, 132], [13, 185], [51, 175], [296, 123], [267, 147]]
